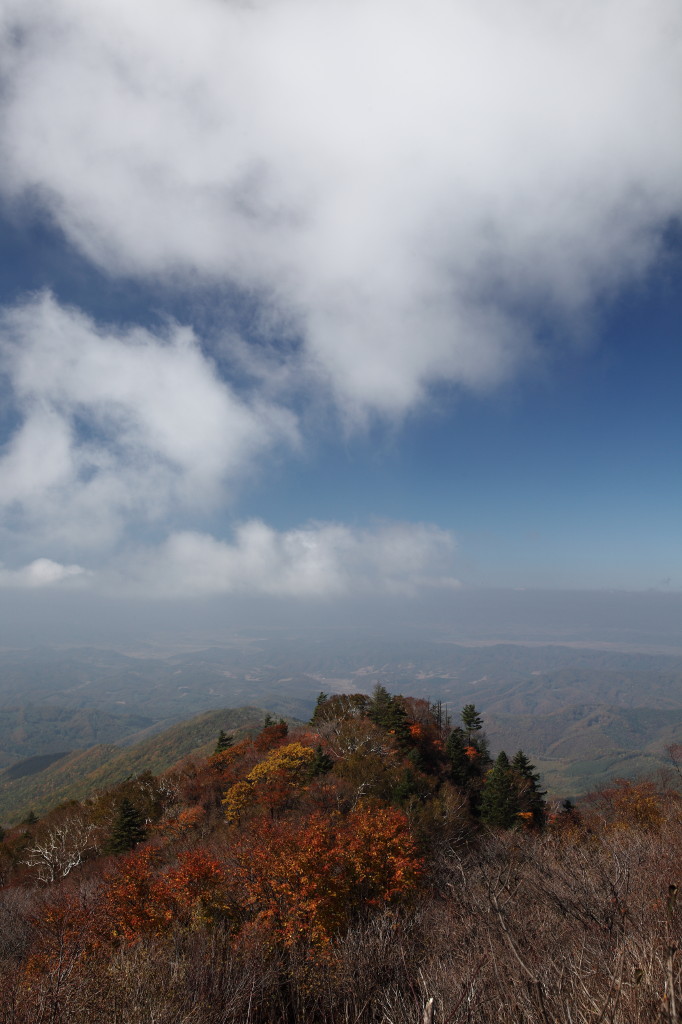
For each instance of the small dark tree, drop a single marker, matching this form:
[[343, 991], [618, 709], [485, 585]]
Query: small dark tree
[[224, 742], [410, 786], [530, 796], [322, 763], [322, 699], [128, 829], [566, 814], [471, 720], [459, 764], [380, 709], [389, 713], [499, 802]]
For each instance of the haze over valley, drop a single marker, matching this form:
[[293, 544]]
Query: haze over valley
[[585, 710]]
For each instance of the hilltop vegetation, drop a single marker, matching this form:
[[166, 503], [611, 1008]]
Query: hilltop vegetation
[[349, 869]]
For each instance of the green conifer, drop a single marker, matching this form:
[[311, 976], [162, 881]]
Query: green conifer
[[459, 766], [499, 802], [224, 742], [322, 699], [322, 763], [471, 720], [408, 786], [389, 713], [531, 796], [380, 707], [128, 829]]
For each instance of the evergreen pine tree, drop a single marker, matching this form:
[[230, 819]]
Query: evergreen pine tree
[[398, 723], [31, 818], [407, 786], [416, 758], [531, 797], [128, 828], [436, 709], [224, 742], [389, 713], [318, 713], [459, 764], [471, 721], [322, 763], [499, 802], [380, 707], [2, 833]]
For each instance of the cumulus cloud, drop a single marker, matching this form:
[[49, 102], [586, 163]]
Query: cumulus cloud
[[118, 427], [42, 572], [408, 186], [410, 193], [319, 560]]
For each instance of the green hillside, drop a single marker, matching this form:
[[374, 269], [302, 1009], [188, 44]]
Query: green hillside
[[30, 729], [584, 746], [79, 774]]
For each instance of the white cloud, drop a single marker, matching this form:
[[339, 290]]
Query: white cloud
[[118, 427], [402, 180], [319, 560], [409, 189], [42, 572]]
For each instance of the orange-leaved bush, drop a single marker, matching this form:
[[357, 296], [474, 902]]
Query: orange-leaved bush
[[272, 782], [139, 898], [307, 880]]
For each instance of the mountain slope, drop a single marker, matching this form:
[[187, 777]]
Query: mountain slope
[[29, 729], [79, 774]]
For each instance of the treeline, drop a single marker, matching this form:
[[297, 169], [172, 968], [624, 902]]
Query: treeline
[[349, 870]]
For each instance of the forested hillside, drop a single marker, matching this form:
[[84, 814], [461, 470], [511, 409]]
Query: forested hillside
[[38, 786], [372, 866]]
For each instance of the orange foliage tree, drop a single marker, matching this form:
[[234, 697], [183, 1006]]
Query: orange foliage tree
[[306, 880], [272, 782], [139, 899], [627, 804]]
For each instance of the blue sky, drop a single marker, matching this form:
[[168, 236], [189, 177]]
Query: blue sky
[[272, 326], [569, 477]]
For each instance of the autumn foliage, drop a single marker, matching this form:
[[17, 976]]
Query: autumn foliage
[[346, 870]]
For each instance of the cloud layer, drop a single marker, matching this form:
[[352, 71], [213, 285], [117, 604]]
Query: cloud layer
[[320, 560], [411, 193], [401, 181]]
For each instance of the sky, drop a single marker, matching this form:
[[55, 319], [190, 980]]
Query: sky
[[339, 299]]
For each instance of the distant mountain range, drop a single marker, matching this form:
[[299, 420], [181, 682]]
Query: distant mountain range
[[582, 714]]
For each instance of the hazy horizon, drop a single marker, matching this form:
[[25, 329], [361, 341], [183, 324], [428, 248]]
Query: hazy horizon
[[623, 620]]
